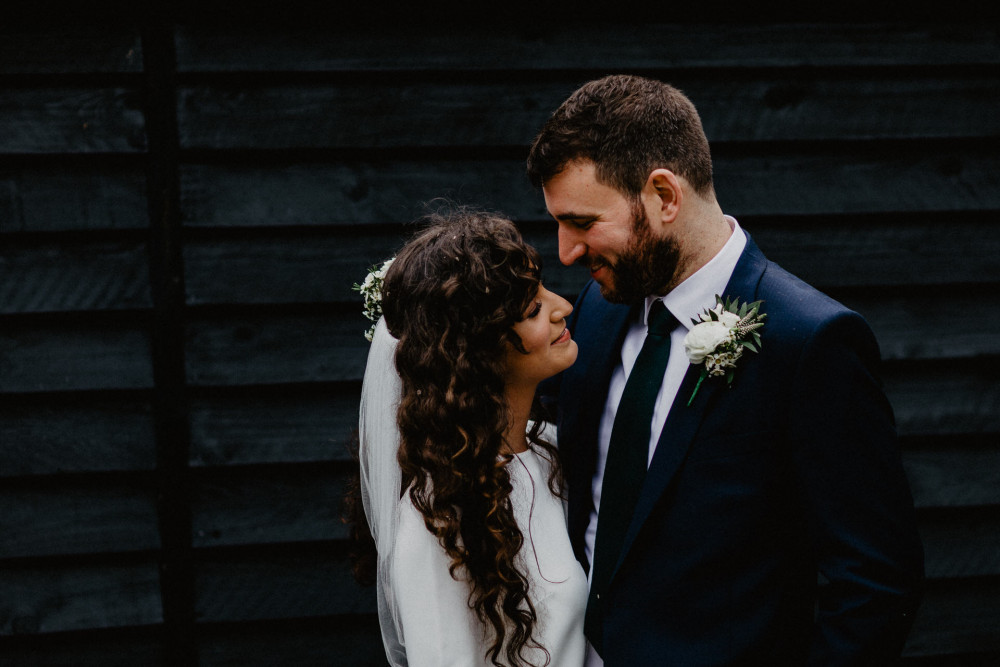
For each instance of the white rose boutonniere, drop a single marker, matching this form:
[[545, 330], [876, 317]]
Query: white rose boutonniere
[[371, 292], [719, 337]]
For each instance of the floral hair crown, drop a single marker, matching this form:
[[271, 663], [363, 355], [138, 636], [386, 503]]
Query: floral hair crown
[[371, 292]]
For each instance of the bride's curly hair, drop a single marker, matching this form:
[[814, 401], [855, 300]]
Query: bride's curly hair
[[452, 298]]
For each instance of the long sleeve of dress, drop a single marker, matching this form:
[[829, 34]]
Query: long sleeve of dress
[[439, 628]]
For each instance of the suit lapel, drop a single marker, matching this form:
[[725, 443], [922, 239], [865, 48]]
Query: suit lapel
[[585, 390], [600, 344], [684, 420]]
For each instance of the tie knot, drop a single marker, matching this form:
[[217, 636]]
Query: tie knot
[[660, 321]]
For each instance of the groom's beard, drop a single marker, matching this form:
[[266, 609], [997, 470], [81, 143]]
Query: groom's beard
[[648, 265]]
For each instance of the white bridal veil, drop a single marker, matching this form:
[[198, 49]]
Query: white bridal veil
[[381, 477]]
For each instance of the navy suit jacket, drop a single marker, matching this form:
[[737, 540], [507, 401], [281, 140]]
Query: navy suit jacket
[[775, 525]]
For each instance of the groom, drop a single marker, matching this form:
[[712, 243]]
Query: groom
[[766, 522]]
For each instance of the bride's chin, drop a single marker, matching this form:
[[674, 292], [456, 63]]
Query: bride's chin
[[571, 352]]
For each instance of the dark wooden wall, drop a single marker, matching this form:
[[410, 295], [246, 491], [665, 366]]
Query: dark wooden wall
[[185, 203]]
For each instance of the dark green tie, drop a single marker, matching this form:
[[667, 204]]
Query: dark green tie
[[628, 454]]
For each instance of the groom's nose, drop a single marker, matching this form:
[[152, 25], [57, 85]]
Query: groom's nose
[[571, 245]]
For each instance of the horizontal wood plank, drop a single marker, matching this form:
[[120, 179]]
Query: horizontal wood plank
[[93, 648], [853, 253], [478, 114], [272, 505], [277, 425], [313, 422], [285, 267], [959, 476], [64, 598], [264, 350], [961, 542], [82, 197], [914, 179], [80, 48], [76, 517], [953, 399], [258, 587], [71, 120], [911, 325], [266, 505], [345, 641], [66, 277], [957, 616], [97, 354], [281, 348], [254, 48], [284, 193], [68, 436]]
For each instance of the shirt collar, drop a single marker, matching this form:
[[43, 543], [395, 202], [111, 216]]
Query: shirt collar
[[697, 292]]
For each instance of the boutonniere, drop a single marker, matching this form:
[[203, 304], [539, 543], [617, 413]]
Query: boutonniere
[[371, 292], [719, 337]]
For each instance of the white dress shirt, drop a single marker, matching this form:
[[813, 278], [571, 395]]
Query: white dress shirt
[[685, 302]]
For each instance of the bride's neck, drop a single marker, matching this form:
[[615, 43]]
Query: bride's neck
[[519, 400]]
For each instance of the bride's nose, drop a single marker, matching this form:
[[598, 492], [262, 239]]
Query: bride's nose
[[561, 309]]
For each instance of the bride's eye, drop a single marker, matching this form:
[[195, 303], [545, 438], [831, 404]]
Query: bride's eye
[[535, 309]]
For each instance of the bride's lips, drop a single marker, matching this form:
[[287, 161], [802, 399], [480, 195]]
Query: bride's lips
[[563, 337]]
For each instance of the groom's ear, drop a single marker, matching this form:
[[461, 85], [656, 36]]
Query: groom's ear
[[662, 196]]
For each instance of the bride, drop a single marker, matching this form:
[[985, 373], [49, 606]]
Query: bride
[[460, 490]]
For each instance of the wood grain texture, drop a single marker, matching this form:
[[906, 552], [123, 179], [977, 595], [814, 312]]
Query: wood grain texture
[[276, 424], [96, 354], [65, 277], [952, 398], [94, 648], [354, 640], [488, 114], [283, 268], [72, 197], [830, 181], [267, 505], [275, 347], [35, 600], [248, 587], [288, 267], [286, 193], [80, 48], [71, 120], [77, 517], [912, 324], [852, 253], [609, 45], [315, 422], [272, 350], [961, 543], [957, 616], [67, 435], [957, 476]]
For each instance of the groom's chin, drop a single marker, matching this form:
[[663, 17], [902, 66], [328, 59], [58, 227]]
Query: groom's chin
[[612, 295]]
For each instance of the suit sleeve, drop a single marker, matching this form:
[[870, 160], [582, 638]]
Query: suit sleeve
[[857, 498]]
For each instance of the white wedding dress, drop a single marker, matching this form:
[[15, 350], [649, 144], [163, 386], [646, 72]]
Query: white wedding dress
[[439, 627], [424, 613]]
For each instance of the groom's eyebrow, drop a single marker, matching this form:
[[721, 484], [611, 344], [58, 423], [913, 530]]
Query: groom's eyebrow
[[571, 216]]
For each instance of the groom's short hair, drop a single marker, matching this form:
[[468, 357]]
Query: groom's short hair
[[627, 126]]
